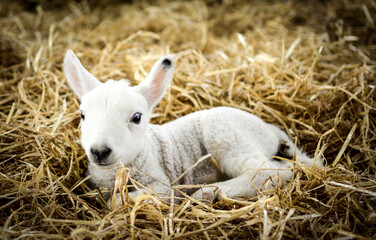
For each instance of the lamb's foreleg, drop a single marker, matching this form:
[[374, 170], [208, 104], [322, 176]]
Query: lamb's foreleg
[[162, 190]]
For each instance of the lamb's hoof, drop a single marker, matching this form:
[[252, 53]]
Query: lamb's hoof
[[116, 203], [208, 193]]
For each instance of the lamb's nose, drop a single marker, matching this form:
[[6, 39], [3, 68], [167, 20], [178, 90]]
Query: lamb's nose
[[100, 156]]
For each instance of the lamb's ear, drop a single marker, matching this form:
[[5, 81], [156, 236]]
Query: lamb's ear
[[79, 79], [158, 80]]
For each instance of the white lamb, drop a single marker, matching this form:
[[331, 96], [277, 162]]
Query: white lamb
[[116, 131]]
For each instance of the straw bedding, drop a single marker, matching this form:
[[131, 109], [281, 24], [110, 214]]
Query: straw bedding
[[305, 66]]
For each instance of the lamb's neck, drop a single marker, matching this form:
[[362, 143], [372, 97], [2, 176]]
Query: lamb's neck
[[158, 149], [176, 146]]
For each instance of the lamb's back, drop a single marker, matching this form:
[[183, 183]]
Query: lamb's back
[[218, 131], [226, 129]]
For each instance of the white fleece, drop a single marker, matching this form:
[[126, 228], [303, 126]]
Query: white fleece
[[116, 131]]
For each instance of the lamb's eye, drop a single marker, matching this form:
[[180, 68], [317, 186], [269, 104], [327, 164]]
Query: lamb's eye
[[136, 118], [82, 115]]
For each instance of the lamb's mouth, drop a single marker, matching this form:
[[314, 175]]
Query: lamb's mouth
[[104, 165]]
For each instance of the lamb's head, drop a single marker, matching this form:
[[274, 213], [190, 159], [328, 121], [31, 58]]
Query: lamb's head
[[114, 115]]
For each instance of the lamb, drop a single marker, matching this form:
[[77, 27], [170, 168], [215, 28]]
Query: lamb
[[116, 131]]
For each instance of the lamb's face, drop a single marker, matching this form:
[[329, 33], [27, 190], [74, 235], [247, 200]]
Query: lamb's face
[[114, 118], [114, 115]]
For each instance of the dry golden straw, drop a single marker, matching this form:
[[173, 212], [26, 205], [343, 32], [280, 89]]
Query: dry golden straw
[[305, 66]]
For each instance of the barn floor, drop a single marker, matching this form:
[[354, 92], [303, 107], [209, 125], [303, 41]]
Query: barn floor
[[306, 66]]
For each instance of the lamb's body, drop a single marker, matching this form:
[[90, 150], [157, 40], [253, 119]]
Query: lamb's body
[[116, 131], [241, 143]]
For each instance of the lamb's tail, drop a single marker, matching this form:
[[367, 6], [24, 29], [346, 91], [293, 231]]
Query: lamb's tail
[[288, 149]]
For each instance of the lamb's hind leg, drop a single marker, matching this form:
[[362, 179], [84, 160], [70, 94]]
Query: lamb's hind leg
[[244, 185], [288, 149]]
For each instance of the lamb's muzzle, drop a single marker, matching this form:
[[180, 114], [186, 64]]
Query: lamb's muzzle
[[116, 132], [100, 156]]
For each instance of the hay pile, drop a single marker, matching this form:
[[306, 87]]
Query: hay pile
[[308, 67]]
